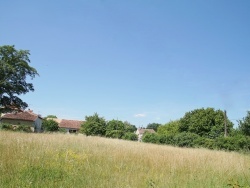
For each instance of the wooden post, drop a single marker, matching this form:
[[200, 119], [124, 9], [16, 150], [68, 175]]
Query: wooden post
[[225, 123]]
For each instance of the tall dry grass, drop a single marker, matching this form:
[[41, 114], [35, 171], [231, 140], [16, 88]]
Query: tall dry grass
[[59, 160]]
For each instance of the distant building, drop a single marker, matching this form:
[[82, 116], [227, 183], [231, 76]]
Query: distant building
[[71, 126], [140, 131], [24, 118]]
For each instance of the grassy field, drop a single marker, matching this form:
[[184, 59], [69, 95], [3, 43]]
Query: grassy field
[[59, 160]]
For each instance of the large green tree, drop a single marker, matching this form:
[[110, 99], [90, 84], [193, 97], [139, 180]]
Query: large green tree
[[153, 126], [94, 125], [14, 71], [50, 125], [244, 124], [115, 129], [205, 122], [170, 128], [129, 127]]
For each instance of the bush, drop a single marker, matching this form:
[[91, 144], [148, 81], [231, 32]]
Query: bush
[[185, 139], [114, 134], [130, 136], [236, 143], [151, 138], [204, 143], [50, 125], [24, 128], [6, 126], [166, 139], [62, 130]]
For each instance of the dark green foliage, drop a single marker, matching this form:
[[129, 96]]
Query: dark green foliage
[[50, 125], [244, 125], [20, 128], [130, 136], [62, 130], [236, 143], [14, 70], [153, 126], [94, 125], [129, 127], [115, 134], [166, 139], [115, 129], [150, 137], [6, 126], [185, 139], [205, 122], [51, 116], [23, 128]]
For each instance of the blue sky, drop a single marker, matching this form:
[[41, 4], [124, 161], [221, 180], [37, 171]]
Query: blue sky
[[142, 61]]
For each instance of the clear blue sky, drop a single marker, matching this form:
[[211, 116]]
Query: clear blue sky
[[143, 61]]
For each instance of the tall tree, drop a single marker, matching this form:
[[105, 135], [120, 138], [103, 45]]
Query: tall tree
[[14, 70], [170, 128], [50, 125], [205, 122], [129, 127], [51, 116], [153, 126], [94, 125], [244, 124], [115, 129]]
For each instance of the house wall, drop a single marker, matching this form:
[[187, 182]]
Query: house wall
[[38, 125], [18, 122], [35, 126]]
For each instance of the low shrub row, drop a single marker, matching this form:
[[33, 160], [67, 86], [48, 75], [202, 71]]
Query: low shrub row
[[20, 128], [186, 139]]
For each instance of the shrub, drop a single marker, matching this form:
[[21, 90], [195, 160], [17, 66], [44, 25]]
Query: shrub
[[236, 143], [50, 125], [130, 136], [62, 130], [150, 138], [23, 128], [114, 134], [166, 139], [6, 126], [185, 139]]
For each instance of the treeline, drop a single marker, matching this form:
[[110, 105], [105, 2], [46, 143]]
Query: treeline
[[207, 128], [95, 125]]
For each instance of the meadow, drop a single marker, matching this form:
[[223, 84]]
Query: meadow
[[62, 160]]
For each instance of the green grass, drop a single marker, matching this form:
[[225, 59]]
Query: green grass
[[60, 160]]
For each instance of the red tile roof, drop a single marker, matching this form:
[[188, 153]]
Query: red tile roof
[[26, 116], [71, 124]]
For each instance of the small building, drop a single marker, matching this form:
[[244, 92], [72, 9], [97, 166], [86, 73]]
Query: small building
[[24, 118], [71, 126], [140, 131]]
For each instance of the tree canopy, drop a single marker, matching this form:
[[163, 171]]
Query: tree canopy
[[244, 125], [153, 126], [205, 122], [115, 129], [170, 128], [14, 70], [51, 116], [94, 125], [50, 125]]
